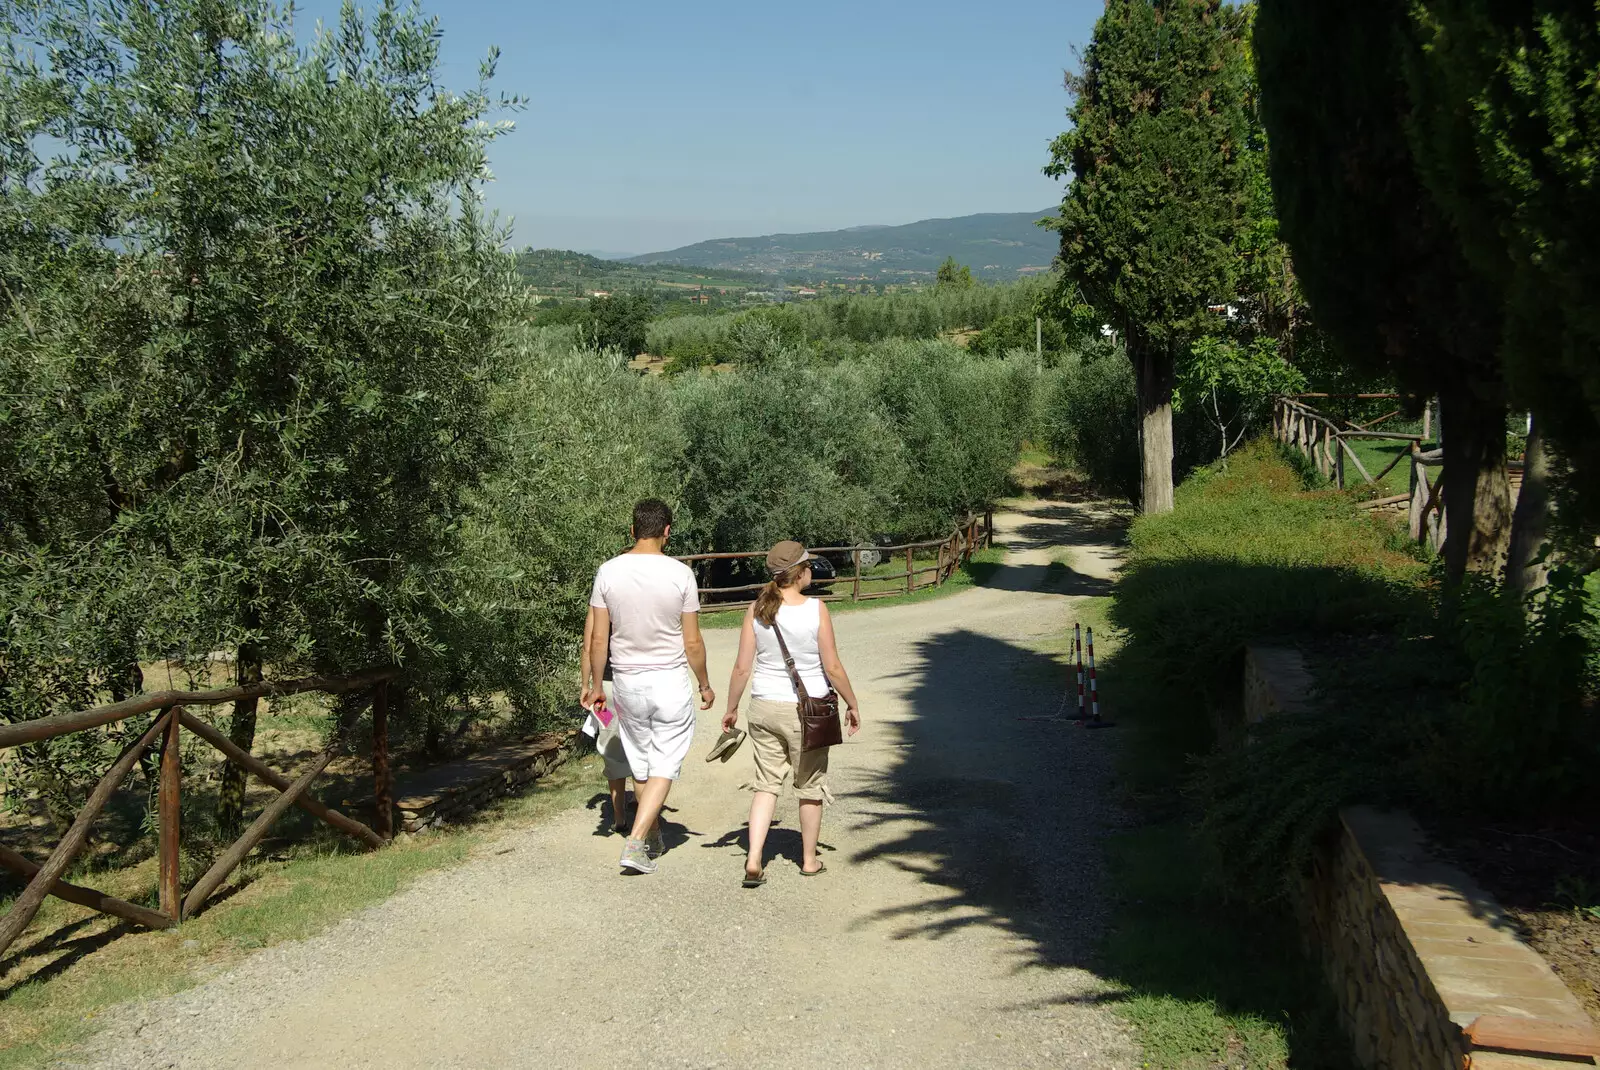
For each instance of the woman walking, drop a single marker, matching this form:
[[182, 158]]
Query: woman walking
[[774, 716]]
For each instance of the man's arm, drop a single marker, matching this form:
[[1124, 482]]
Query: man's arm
[[599, 649], [694, 646], [584, 675]]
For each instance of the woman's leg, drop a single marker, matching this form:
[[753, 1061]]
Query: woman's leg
[[762, 805], [810, 832]]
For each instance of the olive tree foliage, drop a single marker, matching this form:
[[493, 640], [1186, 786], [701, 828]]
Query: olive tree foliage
[[1505, 129], [249, 325], [1378, 259], [583, 438], [1159, 187]]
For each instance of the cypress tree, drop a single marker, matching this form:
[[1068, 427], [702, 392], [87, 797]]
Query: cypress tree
[[1383, 269], [1160, 129]]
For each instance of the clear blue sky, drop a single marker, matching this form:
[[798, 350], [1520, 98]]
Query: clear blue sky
[[652, 125]]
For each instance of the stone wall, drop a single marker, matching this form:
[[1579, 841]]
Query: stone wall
[[449, 793], [1426, 969]]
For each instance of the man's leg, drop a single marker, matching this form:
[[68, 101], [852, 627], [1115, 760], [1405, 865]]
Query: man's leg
[[651, 797]]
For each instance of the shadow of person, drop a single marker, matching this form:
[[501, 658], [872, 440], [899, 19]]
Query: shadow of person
[[782, 842], [608, 819]]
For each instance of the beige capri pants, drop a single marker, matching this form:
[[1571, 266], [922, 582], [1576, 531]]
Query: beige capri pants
[[775, 740]]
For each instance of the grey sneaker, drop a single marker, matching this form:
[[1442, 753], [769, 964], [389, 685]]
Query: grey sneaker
[[636, 858], [654, 843]]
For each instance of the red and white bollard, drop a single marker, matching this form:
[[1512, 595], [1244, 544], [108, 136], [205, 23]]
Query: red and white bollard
[[1077, 650], [1094, 690]]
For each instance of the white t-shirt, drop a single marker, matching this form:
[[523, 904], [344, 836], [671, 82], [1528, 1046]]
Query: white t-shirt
[[646, 595], [770, 679]]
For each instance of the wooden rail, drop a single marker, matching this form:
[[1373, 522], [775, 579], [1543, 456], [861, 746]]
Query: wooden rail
[[1325, 441], [167, 725], [953, 551]]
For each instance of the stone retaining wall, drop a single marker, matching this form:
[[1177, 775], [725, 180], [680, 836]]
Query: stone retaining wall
[[447, 794], [1426, 970]]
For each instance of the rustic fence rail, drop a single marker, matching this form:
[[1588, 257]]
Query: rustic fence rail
[[171, 718], [1326, 442], [973, 533]]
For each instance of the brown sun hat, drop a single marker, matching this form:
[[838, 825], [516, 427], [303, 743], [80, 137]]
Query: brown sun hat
[[786, 554]]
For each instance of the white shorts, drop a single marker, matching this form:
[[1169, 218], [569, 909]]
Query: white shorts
[[655, 720]]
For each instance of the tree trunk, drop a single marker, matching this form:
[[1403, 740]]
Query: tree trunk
[[1477, 496], [1153, 366], [1529, 522], [242, 734]]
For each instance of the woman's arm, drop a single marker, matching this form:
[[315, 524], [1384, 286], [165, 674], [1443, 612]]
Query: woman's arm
[[831, 665], [741, 668]]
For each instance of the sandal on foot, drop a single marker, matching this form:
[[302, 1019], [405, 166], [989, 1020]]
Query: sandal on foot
[[753, 882], [822, 867]]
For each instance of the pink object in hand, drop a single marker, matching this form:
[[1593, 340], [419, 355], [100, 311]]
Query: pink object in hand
[[603, 715]]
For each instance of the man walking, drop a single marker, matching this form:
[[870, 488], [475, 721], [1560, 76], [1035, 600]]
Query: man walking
[[649, 605]]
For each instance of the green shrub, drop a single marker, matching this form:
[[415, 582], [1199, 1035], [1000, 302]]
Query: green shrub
[[1449, 702], [786, 452], [962, 422], [1092, 420]]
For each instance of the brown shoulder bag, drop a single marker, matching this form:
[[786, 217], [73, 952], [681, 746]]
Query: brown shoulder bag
[[819, 717]]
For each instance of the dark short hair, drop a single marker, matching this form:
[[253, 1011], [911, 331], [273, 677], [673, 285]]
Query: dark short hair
[[651, 518]]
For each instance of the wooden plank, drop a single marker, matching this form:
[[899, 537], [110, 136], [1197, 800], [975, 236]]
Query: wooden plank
[[271, 776], [1390, 436], [1536, 1036], [855, 589], [15, 735], [1346, 448], [88, 897], [1419, 494], [382, 784], [253, 835], [1379, 503], [169, 811], [27, 904]]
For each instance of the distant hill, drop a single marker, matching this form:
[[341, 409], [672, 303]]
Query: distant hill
[[564, 272], [996, 245]]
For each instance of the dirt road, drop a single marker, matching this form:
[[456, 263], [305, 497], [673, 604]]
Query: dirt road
[[952, 928]]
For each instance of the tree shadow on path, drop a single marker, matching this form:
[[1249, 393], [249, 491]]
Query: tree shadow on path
[[1003, 816]]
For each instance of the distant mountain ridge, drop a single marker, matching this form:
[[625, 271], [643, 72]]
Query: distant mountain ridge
[[997, 245]]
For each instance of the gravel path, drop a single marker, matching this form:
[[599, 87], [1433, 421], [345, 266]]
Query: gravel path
[[952, 929]]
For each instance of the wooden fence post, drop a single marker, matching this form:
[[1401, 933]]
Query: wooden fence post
[[382, 793], [26, 905], [170, 810], [855, 584], [988, 528], [1419, 498], [909, 576], [1338, 461]]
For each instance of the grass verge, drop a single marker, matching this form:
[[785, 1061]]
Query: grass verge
[[72, 965], [1213, 980]]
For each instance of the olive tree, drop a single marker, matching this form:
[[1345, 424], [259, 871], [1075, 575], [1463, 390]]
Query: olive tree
[[251, 319]]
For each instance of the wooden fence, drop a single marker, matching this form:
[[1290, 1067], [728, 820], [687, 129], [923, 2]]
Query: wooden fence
[[171, 718], [953, 551], [1326, 442]]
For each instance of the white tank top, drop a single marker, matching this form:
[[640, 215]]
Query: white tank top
[[770, 680]]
